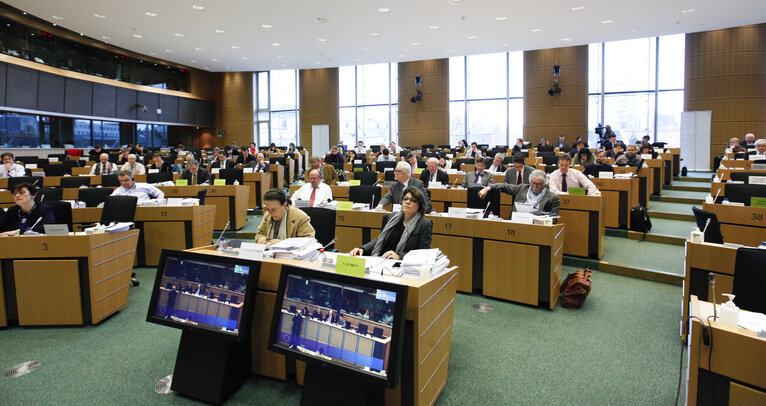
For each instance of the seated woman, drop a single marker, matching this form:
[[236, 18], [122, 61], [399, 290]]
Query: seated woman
[[444, 163], [584, 157], [646, 148], [333, 157], [351, 156], [405, 230], [280, 221], [26, 214], [460, 147]]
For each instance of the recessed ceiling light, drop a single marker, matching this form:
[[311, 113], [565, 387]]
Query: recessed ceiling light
[[54, 24], [192, 60], [235, 47], [450, 50], [365, 49], [150, 14], [631, 32], [267, 26], [214, 59], [105, 37], [357, 59], [415, 43], [472, 37], [566, 39], [454, 1], [374, 34], [198, 49], [205, 68], [280, 56], [276, 44], [321, 40], [536, 29], [317, 63], [433, 27], [283, 65], [138, 35], [178, 34], [57, 18], [321, 20], [82, 35], [578, 8], [245, 58], [219, 31], [400, 56], [689, 11], [99, 16], [505, 45], [196, 7], [168, 51], [607, 21], [226, 67], [153, 53], [501, 19], [384, 10]]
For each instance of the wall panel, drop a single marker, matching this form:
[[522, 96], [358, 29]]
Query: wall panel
[[427, 121], [187, 110], [318, 94], [152, 102], [21, 90], [3, 72], [50, 93], [104, 100], [169, 106], [127, 100], [79, 97]]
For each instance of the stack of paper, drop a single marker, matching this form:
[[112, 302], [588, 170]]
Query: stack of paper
[[302, 248], [415, 261]]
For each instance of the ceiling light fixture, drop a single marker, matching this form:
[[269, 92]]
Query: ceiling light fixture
[[365, 49], [196, 7], [214, 59], [234, 47], [578, 8], [276, 44], [244, 58], [450, 50], [321, 20], [138, 35], [433, 27], [280, 56], [505, 45], [150, 14], [501, 19], [384, 10], [400, 56], [169, 51], [374, 34], [472, 37], [566, 39], [192, 61], [198, 49], [105, 37], [321, 40], [219, 31], [415, 43], [266, 26], [82, 35], [57, 18], [689, 11], [178, 34], [536, 29], [98, 16], [607, 21]]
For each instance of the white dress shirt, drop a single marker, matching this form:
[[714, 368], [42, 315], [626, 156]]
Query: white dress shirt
[[494, 168], [323, 194], [574, 178], [143, 191], [383, 158], [106, 170], [137, 169], [16, 171], [360, 150]]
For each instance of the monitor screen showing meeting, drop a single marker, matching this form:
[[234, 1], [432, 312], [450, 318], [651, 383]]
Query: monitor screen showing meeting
[[203, 292], [340, 321]]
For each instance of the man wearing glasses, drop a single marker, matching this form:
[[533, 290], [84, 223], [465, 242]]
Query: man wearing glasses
[[535, 193], [403, 181]]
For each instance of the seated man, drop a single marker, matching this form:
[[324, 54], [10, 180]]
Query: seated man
[[244, 157], [497, 163], [414, 162], [478, 177], [221, 162], [518, 147], [617, 151], [598, 165], [629, 158], [403, 181], [609, 145], [326, 172], [475, 152], [10, 169], [533, 193], [433, 173], [334, 157], [143, 191], [518, 173], [316, 191], [280, 221], [562, 178], [360, 149], [395, 149], [94, 153], [133, 167], [405, 231], [385, 155], [760, 149], [195, 175], [748, 141], [258, 164], [159, 163], [103, 167], [562, 144], [27, 214]]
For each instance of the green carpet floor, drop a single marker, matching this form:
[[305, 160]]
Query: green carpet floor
[[675, 228], [644, 254], [668, 207], [607, 352], [684, 194]]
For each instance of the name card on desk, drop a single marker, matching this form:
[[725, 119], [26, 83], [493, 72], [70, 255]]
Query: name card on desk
[[524, 218], [31, 166], [346, 206], [249, 250], [347, 265], [418, 171], [301, 203], [248, 170], [182, 182], [456, 212], [646, 156], [357, 161], [757, 201], [215, 170], [757, 180], [53, 159], [605, 175], [580, 191], [153, 171], [355, 182], [219, 182]]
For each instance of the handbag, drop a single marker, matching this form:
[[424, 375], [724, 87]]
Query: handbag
[[575, 289]]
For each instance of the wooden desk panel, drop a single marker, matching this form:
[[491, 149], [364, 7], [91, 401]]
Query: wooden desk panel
[[259, 184], [585, 220], [657, 167], [724, 174], [621, 195], [277, 175], [511, 277], [230, 201], [740, 224], [670, 167], [36, 280], [703, 258]]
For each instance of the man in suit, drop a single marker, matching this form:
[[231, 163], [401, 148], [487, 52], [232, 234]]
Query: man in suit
[[518, 173], [258, 164], [617, 150], [95, 153], [433, 173], [562, 145], [195, 175], [158, 163], [403, 181], [629, 158], [475, 152], [478, 176], [564, 178], [495, 165], [221, 162], [609, 145], [135, 168], [245, 158], [103, 167], [327, 172], [534, 193], [414, 162]]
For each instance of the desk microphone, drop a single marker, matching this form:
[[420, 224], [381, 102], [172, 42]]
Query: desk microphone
[[484, 215], [711, 279], [715, 199], [456, 179], [33, 225], [224, 230], [372, 202]]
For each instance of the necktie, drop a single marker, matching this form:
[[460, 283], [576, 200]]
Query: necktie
[[433, 177], [313, 195], [563, 182], [194, 179], [478, 176], [518, 178]]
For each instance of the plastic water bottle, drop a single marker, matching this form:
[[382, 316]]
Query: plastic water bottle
[[221, 244], [321, 257], [725, 201]]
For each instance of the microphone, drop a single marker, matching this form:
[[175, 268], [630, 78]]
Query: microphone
[[456, 179], [707, 223], [484, 215], [224, 230], [372, 202], [711, 279], [715, 199], [33, 225]]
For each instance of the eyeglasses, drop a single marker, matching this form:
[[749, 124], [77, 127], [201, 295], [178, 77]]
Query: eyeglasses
[[273, 209], [20, 192], [409, 199]]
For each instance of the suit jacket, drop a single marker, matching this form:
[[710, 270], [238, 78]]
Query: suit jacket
[[593, 169], [298, 224], [394, 194], [226, 164], [254, 163], [510, 175], [241, 159], [562, 146], [329, 177], [165, 167], [419, 239], [202, 175], [488, 164], [486, 178], [441, 176], [10, 221], [550, 201]]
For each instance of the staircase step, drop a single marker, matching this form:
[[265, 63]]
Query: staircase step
[[691, 179], [671, 216], [673, 199], [630, 271], [687, 188]]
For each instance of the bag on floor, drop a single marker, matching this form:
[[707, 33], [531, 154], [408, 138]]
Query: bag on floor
[[639, 219], [575, 289]]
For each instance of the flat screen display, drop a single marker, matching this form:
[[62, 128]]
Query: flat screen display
[[207, 292], [340, 321]]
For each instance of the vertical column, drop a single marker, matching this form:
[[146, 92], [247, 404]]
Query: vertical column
[[235, 108], [726, 73], [427, 121], [566, 113], [318, 103]]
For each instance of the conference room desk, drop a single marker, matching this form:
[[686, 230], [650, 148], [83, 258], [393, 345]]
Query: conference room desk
[[670, 167], [744, 225], [428, 332], [340, 193], [657, 167], [277, 175], [585, 220], [724, 174], [457, 178], [510, 261], [55, 181], [701, 259], [65, 280], [621, 195], [730, 373], [736, 163], [230, 201], [645, 180], [170, 227], [676, 153], [259, 183]]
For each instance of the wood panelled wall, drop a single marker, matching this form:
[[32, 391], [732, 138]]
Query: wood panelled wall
[[427, 121], [236, 108], [318, 103], [726, 73], [567, 113]]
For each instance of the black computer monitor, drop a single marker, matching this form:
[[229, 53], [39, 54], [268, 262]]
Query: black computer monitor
[[221, 276], [708, 222], [325, 344], [743, 193], [744, 176]]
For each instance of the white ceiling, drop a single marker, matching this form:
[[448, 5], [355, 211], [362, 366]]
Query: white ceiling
[[409, 30]]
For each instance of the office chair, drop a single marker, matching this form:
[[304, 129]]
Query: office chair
[[377, 332], [743, 193], [444, 146], [366, 178], [26, 159], [201, 196], [544, 148], [749, 279], [34, 180], [69, 164], [364, 167], [364, 194], [550, 160], [475, 202], [427, 146], [362, 329], [110, 180], [75, 181], [659, 145], [159, 177], [54, 170], [389, 176], [231, 175], [62, 212], [743, 176], [50, 194], [222, 297], [550, 168], [234, 299], [93, 196], [120, 209], [337, 165], [382, 165], [465, 161], [713, 231], [323, 221], [279, 159]]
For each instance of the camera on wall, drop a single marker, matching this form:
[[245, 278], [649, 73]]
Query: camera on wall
[[418, 83], [555, 90], [142, 107]]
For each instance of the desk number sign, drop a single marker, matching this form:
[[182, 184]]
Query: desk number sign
[[757, 201], [577, 191]]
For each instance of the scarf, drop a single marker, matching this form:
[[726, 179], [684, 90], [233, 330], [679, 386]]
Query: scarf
[[282, 232], [533, 199], [395, 218]]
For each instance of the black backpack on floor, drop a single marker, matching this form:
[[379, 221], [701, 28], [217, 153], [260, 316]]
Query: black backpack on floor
[[639, 219]]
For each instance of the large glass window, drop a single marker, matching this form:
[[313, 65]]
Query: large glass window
[[368, 104], [275, 107], [19, 130]]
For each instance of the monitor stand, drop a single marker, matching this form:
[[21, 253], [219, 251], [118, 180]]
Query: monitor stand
[[210, 368], [324, 385]]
